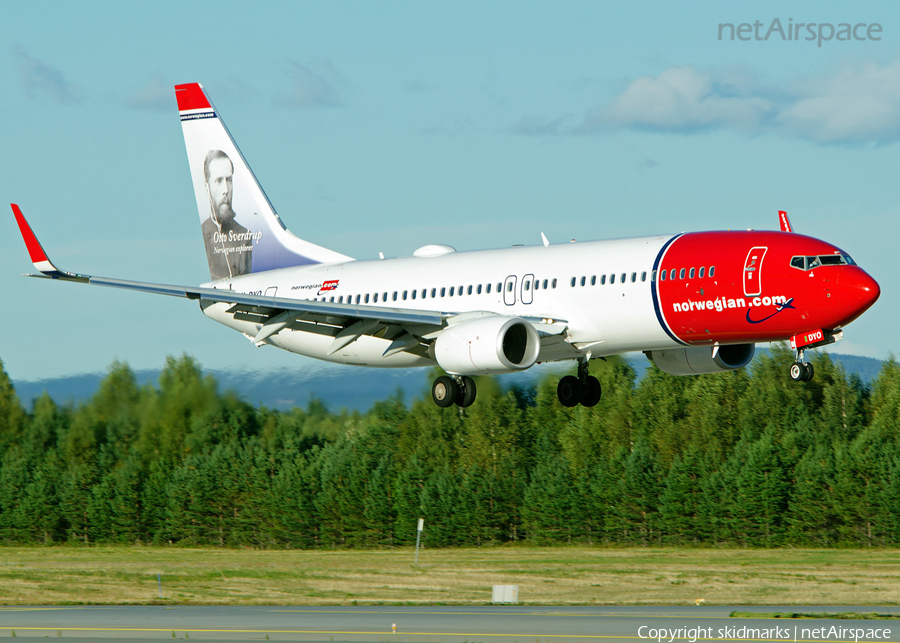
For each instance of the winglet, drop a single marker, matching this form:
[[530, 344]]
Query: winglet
[[38, 257], [784, 221]]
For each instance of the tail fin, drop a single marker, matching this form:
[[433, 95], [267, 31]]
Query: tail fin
[[241, 230]]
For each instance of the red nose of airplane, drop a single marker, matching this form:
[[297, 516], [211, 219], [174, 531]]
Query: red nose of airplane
[[858, 291]]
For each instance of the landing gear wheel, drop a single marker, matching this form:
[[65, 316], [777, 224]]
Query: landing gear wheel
[[467, 393], [808, 368], [444, 391], [590, 391], [798, 372], [569, 391]]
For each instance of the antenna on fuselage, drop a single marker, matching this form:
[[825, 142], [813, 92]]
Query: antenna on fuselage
[[544, 239]]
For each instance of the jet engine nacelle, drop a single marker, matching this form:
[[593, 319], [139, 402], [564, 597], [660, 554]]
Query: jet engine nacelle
[[698, 360], [487, 345]]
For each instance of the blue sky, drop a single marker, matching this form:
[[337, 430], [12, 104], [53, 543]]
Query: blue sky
[[381, 127]]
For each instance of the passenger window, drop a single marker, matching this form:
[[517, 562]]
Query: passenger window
[[341, 299], [404, 294], [545, 284], [702, 270], [662, 275], [553, 283], [375, 298], [479, 289], [451, 291], [573, 282], [358, 298], [691, 274], [414, 293], [681, 274], [367, 298], [489, 289], [644, 276], [469, 290], [623, 278], [593, 280], [394, 298], [712, 270], [528, 285], [443, 291], [433, 293], [499, 287], [332, 300], [509, 287], [583, 281], [633, 277], [602, 280], [672, 274], [612, 279]]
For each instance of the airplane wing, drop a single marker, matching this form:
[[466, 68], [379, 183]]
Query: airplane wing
[[406, 328]]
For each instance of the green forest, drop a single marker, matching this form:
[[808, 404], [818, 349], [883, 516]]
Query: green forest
[[746, 458]]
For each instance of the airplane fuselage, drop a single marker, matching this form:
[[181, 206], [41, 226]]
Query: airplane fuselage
[[613, 296]]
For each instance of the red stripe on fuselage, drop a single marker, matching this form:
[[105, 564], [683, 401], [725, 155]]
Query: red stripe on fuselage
[[191, 96], [755, 300]]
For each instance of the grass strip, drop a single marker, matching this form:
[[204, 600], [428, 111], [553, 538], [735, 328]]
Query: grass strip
[[463, 576]]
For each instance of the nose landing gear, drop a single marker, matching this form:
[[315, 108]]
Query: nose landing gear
[[801, 371], [583, 389]]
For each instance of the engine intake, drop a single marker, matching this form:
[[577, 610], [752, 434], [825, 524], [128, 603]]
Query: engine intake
[[487, 345], [699, 360]]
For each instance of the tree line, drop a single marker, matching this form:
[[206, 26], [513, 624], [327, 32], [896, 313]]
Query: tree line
[[745, 458]]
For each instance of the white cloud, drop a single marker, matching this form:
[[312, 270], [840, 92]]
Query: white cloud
[[38, 78], [311, 89], [854, 104], [156, 95], [539, 126], [680, 99]]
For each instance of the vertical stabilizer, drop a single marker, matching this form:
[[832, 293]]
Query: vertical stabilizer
[[241, 230]]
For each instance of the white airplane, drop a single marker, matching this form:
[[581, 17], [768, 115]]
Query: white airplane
[[692, 302]]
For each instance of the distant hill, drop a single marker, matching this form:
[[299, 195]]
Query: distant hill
[[338, 386]]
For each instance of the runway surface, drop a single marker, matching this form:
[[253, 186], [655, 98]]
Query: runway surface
[[482, 624]]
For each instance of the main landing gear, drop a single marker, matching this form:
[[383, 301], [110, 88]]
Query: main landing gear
[[455, 389], [583, 389]]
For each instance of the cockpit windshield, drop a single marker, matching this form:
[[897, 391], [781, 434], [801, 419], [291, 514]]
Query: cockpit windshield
[[808, 263]]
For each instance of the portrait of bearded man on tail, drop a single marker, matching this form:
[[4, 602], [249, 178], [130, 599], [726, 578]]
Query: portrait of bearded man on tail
[[228, 244]]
